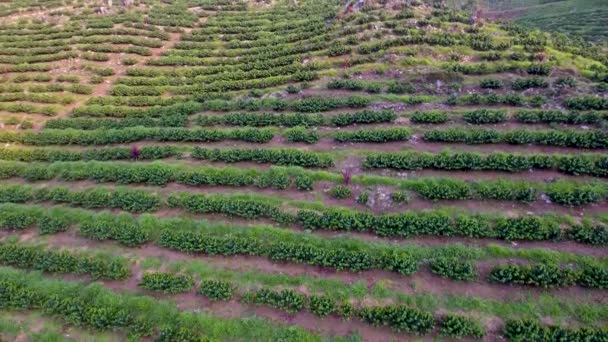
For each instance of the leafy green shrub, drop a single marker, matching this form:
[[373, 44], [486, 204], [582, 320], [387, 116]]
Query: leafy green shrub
[[378, 135], [340, 192], [166, 282], [593, 276], [527, 228], [540, 275], [485, 116], [400, 197], [292, 89], [286, 300], [593, 235], [433, 117], [363, 198], [527, 83], [322, 305], [490, 83], [301, 134], [399, 318], [338, 50], [52, 223], [217, 290], [304, 182], [573, 194], [443, 189], [363, 117], [460, 327], [453, 268], [505, 190]]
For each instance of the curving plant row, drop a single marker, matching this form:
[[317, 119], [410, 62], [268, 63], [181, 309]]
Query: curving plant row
[[595, 139], [561, 192], [38, 257], [549, 275], [132, 200], [157, 173], [128, 135], [485, 116], [402, 225], [531, 330], [154, 110], [595, 165], [271, 156], [277, 245], [166, 282], [297, 119], [377, 135], [84, 123], [28, 154], [99, 308]]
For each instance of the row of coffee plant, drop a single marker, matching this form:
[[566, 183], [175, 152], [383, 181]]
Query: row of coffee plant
[[132, 200], [400, 318], [486, 116], [548, 275], [133, 134], [158, 174], [406, 224], [273, 243], [593, 139], [560, 192], [272, 156], [35, 154], [268, 156], [530, 330], [595, 165], [138, 316], [156, 109], [297, 119], [38, 257]]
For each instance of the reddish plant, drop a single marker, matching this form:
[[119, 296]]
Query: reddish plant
[[346, 64], [347, 174], [135, 152]]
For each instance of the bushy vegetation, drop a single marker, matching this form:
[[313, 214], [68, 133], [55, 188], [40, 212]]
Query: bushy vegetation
[[166, 93], [166, 282]]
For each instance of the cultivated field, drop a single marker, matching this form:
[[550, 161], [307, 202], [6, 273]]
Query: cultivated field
[[584, 18], [216, 170]]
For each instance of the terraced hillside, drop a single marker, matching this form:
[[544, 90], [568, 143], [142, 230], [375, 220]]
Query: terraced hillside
[[585, 18], [215, 170]]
